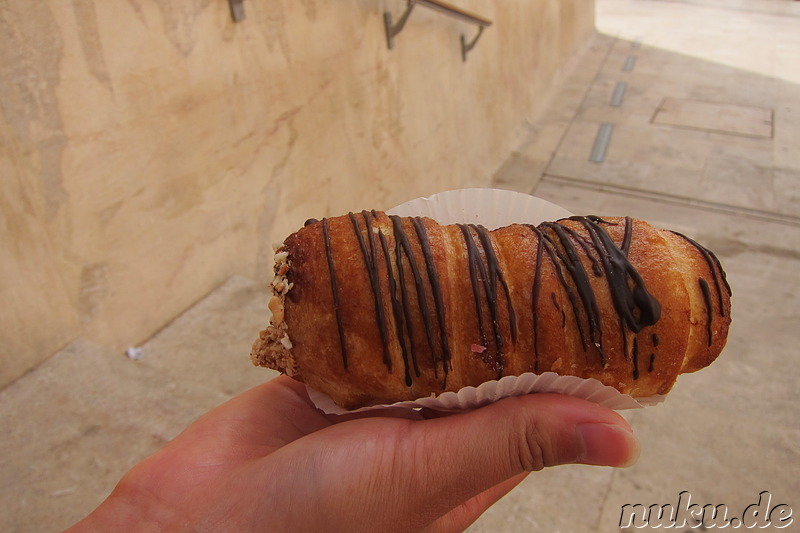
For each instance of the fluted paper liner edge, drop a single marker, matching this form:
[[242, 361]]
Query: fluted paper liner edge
[[495, 208]]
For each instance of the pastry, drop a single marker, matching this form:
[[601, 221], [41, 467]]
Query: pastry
[[371, 308]]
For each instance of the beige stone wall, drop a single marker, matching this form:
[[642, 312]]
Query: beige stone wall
[[149, 149]]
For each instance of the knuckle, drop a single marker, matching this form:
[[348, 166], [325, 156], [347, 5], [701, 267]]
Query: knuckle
[[533, 447], [530, 451]]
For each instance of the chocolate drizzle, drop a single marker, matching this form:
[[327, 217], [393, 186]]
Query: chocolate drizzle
[[491, 274], [401, 326], [578, 260], [436, 289], [563, 314], [371, 263], [568, 255], [403, 246], [475, 264], [653, 355], [334, 289], [714, 266], [634, 305], [709, 309], [495, 276], [625, 248], [720, 281], [557, 258], [537, 288], [626, 238]]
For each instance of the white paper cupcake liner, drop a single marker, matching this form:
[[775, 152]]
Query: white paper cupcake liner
[[492, 208], [495, 208]]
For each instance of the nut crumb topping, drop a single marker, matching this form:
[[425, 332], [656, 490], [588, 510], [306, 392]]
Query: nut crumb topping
[[272, 347]]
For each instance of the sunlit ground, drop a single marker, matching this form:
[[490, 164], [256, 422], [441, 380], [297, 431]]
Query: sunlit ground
[[739, 28]]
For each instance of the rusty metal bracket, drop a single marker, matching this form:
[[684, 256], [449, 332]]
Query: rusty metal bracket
[[467, 46], [237, 10], [392, 30], [442, 7]]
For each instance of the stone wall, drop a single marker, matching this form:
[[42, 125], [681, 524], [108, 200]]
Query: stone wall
[[149, 149]]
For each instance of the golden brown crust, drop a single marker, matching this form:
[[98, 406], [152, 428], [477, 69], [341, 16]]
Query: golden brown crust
[[379, 309]]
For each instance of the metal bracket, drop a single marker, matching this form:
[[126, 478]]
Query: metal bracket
[[467, 46], [392, 30], [237, 10], [443, 7]]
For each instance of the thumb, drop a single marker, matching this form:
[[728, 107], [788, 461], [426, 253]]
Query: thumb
[[424, 469], [548, 430], [599, 430], [471, 452], [538, 430]]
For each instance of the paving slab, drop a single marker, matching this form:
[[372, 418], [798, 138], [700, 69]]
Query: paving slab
[[210, 344], [78, 422], [546, 131], [718, 117], [742, 109]]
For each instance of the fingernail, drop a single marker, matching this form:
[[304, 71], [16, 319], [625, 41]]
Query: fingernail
[[607, 444]]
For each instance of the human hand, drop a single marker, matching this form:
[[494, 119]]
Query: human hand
[[268, 460]]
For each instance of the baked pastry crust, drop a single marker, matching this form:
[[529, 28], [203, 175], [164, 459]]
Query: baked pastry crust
[[370, 308]]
